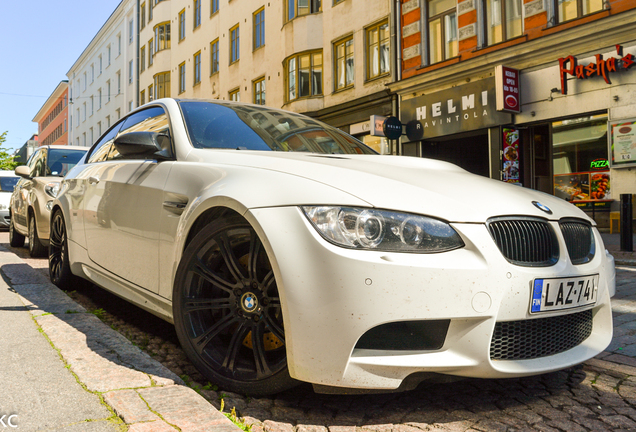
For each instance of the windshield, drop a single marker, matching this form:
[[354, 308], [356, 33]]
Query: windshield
[[248, 127], [60, 161], [8, 183]]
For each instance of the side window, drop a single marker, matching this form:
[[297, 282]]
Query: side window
[[39, 164], [100, 151], [153, 119]]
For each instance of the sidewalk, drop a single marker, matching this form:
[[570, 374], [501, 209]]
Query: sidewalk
[[93, 380]]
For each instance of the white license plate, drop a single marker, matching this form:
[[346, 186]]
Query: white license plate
[[563, 293]]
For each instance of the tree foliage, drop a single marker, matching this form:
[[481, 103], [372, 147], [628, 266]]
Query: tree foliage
[[7, 161]]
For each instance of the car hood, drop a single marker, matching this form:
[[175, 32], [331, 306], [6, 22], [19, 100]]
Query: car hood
[[403, 183]]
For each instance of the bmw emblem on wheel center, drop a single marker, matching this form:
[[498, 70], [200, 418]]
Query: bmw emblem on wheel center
[[542, 207], [249, 302]]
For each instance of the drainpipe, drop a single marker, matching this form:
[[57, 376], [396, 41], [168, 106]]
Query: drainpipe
[[396, 60], [137, 55]]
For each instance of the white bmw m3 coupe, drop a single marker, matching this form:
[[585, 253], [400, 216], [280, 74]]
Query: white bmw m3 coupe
[[284, 250]]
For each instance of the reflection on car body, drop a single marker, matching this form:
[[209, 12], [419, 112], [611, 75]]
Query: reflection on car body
[[284, 250]]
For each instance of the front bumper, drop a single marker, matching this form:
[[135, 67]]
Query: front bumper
[[331, 296], [5, 218]]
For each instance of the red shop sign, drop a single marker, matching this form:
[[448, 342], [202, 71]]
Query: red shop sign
[[507, 85], [569, 66]]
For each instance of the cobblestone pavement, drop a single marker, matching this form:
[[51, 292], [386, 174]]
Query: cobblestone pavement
[[599, 395]]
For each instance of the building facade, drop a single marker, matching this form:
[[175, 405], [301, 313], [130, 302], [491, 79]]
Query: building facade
[[566, 66], [329, 59], [52, 118], [103, 80]]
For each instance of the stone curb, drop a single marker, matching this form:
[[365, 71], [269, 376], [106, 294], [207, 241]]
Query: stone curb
[[141, 391]]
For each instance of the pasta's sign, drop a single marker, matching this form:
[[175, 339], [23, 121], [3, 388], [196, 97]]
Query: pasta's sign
[[568, 66]]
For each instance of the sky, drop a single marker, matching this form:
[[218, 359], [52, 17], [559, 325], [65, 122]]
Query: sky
[[40, 41]]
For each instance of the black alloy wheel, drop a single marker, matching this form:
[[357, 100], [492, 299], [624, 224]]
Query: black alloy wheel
[[227, 310], [59, 266], [15, 238], [36, 248]]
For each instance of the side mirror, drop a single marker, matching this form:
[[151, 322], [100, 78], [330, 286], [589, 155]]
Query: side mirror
[[23, 171], [141, 145]]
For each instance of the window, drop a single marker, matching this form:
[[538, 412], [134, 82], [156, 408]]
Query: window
[[214, 6], [162, 85], [150, 8], [335, 2], [100, 64], [197, 68], [151, 95], [92, 105], [378, 50], [302, 7], [234, 44], [84, 109], [503, 20], [259, 91], [99, 128], [131, 29], [214, 57], [304, 75], [109, 50], [142, 58], [92, 73], [118, 112], [343, 61], [130, 72], [162, 37], [118, 82], [151, 53], [571, 9], [90, 136], [142, 15], [118, 45], [181, 25], [442, 30], [130, 106], [182, 78], [85, 81], [107, 121], [99, 99], [259, 28], [142, 97], [107, 91], [197, 13], [235, 95]]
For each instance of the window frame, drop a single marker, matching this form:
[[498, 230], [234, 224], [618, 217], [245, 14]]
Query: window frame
[[163, 43], [336, 63], [214, 52], [196, 14], [214, 7], [368, 50], [234, 92], [503, 19], [256, 91], [258, 24], [579, 11], [165, 93], [182, 29], [196, 68], [441, 17], [142, 58], [182, 77], [313, 7], [142, 16], [235, 41], [297, 71]]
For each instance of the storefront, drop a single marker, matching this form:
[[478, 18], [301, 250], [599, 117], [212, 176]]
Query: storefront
[[459, 125], [577, 132]]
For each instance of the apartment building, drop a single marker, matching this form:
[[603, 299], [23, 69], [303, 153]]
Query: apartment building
[[103, 80], [329, 59], [52, 118], [534, 92]]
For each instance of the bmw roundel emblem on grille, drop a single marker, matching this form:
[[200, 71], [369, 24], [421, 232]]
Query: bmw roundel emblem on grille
[[249, 302], [542, 207]]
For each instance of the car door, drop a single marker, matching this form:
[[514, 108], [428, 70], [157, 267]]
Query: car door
[[24, 190], [122, 206]]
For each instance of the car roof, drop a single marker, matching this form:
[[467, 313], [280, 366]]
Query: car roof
[[71, 147]]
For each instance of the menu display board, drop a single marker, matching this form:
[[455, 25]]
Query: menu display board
[[587, 186], [622, 143], [511, 155]]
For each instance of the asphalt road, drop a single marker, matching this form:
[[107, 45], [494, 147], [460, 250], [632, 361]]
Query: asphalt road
[[599, 395]]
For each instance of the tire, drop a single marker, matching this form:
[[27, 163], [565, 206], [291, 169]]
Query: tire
[[15, 238], [59, 266], [227, 310], [36, 249]]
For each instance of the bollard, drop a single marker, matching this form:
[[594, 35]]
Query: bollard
[[627, 239]]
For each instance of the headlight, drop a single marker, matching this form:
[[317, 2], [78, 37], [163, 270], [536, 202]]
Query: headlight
[[382, 230], [52, 189]]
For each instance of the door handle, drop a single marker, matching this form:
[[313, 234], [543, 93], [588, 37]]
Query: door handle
[[93, 180]]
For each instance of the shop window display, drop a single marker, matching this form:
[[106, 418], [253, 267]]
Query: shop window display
[[581, 169]]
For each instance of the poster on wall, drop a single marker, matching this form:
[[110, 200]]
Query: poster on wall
[[511, 156], [622, 143]]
